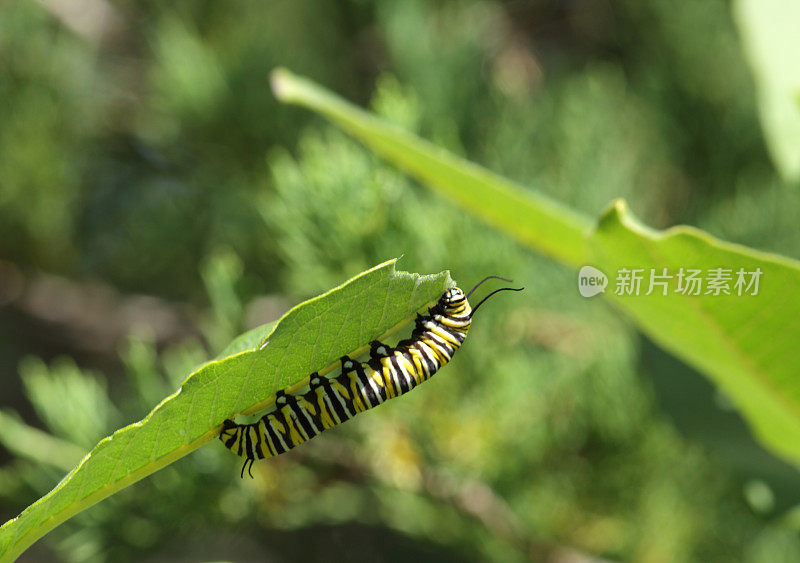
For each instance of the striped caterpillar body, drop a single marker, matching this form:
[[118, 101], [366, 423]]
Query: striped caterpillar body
[[390, 372]]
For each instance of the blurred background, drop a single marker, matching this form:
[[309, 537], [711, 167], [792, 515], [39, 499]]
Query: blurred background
[[156, 201]]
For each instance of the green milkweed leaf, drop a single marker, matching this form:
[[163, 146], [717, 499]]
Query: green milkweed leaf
[[241, 380], [745, 344]]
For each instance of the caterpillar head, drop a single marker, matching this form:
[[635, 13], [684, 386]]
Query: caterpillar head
[[453, 302], [451, 297]]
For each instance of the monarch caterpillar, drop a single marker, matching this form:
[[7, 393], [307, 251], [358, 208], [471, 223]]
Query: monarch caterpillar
[[390, 372]]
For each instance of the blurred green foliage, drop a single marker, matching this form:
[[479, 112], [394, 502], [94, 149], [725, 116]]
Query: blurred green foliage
[[769, 38], [155, 159]]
